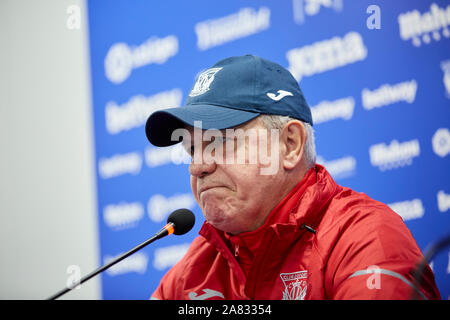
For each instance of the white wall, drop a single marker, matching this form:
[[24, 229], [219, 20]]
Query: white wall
[[47, 185]]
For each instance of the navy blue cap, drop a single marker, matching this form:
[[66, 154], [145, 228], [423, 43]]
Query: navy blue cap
[[233, 91]]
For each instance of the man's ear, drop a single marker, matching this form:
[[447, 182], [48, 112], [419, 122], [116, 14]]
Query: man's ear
[[292, 139]]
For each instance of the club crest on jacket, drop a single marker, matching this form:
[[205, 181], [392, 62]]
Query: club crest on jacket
[[295, 285]]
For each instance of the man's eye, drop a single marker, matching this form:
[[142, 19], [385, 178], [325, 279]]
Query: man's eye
[[192, 150]]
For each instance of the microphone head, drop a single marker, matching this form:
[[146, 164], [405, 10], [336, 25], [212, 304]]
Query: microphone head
[[183, 220]]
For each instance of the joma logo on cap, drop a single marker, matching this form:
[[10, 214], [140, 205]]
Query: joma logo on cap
[[281, 95]]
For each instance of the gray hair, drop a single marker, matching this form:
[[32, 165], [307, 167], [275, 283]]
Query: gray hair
[[278, 122]]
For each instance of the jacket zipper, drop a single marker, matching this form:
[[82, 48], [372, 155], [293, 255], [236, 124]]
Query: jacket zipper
[[259, 263], [262, 258], [236, 250]]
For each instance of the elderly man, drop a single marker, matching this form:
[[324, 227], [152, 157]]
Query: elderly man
[[277, 226]]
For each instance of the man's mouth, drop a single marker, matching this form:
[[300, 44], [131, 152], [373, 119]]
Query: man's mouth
[[206, 188]]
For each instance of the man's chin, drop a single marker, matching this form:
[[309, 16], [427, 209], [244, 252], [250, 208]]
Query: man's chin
[[216, 221], [220, 221]]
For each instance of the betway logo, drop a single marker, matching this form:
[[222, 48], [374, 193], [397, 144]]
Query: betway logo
[[166, 257], [394, 155], [123, 215], [121, 59], [134, 113], [329, 110], [155, 157], [418, 27], [409, 209], [245, 22], [135, 263], [389, 94], [326, 55], [119, 164]]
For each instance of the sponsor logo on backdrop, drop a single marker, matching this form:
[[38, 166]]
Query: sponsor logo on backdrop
[[443, 200], [394, 155], [245, 22], [136, 263], [165, 257], [448, 268], [409, 209], [176, 155], [303, 8], [330, 110], [159, 207], [123, 215], [441, 142], [134, 113], [326, 55], [445, 66], [425, 27], [339, 168], [119, 164], [388, 94], [121, 58]]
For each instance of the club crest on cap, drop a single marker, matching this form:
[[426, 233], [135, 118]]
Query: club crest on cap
[[203, 82]]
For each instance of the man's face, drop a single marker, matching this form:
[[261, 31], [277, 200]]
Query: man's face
[[236, 197]]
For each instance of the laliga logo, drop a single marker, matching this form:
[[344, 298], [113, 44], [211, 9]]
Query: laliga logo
[[118, 63], [122, 59], [312, 8], [441, 142]]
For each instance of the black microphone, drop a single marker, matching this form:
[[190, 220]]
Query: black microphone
[[179, 222]]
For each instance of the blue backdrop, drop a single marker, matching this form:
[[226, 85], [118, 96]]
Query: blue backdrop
[[376, 74]]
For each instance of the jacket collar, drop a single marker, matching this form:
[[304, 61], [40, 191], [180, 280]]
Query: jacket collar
[[304, 205]]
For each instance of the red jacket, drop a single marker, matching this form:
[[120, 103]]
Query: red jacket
[[322, 241]]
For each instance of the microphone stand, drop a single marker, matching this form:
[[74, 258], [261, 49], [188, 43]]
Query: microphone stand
[[429, 254], [162, 233]]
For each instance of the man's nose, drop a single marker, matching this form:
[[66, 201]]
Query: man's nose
[[200, 168]]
